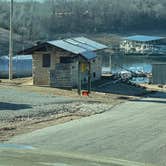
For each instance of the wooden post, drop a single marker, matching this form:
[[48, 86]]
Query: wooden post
[[89, 77], [79, 76]]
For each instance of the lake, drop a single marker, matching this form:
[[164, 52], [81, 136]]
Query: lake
[[118, 63]]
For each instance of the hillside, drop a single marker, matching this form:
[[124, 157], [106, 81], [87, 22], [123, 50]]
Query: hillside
[[4, 42], [83, 16]]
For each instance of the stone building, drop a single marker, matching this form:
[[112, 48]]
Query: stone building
[[66, 63]]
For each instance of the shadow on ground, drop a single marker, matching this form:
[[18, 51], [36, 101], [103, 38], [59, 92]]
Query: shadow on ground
[[13, 107], [160, 95], [150, 101], [107, 85]]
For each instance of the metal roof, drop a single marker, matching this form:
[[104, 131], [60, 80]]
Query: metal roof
[[86, 41], [89, 55], [67, 46], [78, 46], [143, 38]]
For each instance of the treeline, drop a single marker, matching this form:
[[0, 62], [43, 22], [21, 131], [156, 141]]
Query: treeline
[[42, 20]]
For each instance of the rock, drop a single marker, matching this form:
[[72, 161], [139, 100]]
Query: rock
[[161, 86]]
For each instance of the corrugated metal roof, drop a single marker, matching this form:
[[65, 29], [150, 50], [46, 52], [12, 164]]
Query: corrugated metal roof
[[74, 45], [67, 46], [95, 45], [143, 38], [79, 44], [89, 55]]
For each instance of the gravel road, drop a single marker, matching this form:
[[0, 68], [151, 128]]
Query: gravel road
[[18, 104]]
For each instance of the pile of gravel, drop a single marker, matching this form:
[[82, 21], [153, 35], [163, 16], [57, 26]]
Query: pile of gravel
[[48, 110]]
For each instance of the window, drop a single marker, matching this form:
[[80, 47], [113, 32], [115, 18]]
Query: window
[[94, 75], [66, 60], [46, 60]]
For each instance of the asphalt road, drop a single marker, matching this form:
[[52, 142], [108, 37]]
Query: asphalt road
[[131, 132]]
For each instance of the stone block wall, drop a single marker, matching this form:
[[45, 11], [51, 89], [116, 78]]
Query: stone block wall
[[42, 75]]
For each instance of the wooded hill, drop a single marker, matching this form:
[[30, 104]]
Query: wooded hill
[[4, 42], [35, 20]]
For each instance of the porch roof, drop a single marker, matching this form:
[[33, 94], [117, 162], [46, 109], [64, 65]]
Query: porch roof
[[88, 55]]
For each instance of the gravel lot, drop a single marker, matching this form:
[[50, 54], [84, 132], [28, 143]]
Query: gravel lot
[[17, 104]]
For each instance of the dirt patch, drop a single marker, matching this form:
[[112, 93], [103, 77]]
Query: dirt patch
[[17, 81], [154, 88], [26, 126]]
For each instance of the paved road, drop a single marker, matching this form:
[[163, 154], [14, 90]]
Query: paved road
[[16, 157], [133, 131]]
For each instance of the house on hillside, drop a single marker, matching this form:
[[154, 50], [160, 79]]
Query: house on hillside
[[141, 44], [67, 62]]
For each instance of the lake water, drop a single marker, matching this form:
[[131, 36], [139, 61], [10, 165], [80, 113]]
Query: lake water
[[118, 63], [22, 66], [121, 63]]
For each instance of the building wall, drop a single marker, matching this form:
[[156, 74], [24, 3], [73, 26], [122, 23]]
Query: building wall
[[159, 74], [66, 78], [43, 76], [96, 70], [61, 76], [97, 67]]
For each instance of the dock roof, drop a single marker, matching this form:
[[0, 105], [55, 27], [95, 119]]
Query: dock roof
[[143, 38]]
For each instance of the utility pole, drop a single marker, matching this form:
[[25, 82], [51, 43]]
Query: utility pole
[[11, 42], [79, 76], [89, 77]]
